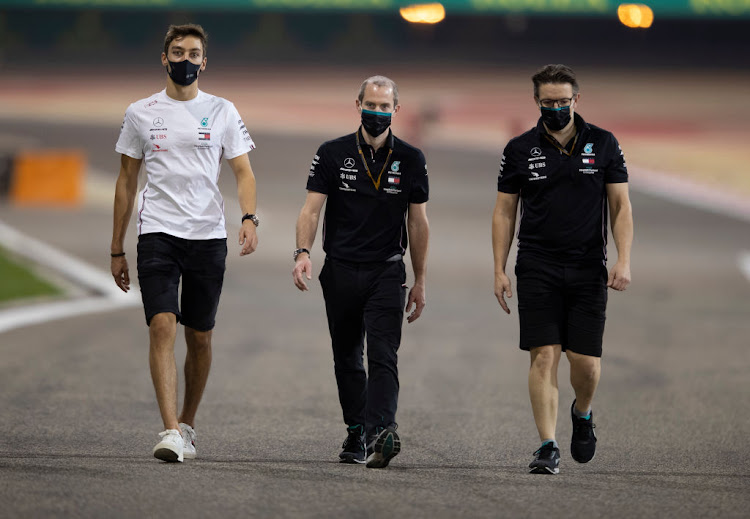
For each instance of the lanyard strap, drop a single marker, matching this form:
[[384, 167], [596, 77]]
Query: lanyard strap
[[367, 168], [561, 148]]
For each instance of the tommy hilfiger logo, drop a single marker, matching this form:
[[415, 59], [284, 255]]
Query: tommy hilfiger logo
[[394, 180], [204, 136], [587, 161]]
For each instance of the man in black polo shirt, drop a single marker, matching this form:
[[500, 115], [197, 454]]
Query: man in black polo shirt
[[566, 172], [376, 187]]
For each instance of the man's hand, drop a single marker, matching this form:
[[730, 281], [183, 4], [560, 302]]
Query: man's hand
[[248, 238], [503, 290], [303, 266], [120, 273], [619, 276], [416, 298]]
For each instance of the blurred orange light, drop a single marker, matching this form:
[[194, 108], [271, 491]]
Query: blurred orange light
[[635, 15], [423, 13]]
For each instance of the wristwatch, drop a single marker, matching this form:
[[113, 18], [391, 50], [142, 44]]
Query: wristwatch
[[253, 218], [297, 252]]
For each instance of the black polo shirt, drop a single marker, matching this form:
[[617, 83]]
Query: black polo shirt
[[563, 197], [363, 223]]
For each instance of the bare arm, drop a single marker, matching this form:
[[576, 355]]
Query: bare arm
[[621, 216], [125, 190], [503, 227], [246, 194], [419, 236], [307, 226]]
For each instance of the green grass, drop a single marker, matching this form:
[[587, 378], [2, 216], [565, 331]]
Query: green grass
[[18, 282]]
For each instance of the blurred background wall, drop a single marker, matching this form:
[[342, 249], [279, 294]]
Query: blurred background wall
[[684, 33]]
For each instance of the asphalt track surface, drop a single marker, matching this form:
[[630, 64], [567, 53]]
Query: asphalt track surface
[[79, 416]]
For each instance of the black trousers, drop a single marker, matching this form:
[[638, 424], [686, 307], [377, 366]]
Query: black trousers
[[365, 299]]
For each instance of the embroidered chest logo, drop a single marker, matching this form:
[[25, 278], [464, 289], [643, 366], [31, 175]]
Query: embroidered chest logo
[[204, 122], [589, 148], [349, 162]]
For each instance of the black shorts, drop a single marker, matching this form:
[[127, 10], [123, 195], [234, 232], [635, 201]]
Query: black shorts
[[163, 259], [562, 304]]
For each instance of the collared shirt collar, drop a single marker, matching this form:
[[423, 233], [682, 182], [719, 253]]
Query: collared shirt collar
[[581, 125], [388, 141]]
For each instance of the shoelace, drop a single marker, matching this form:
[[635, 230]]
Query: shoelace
[[352, 439], [191, 434], [548, 447], [354, 436], [583, 426]]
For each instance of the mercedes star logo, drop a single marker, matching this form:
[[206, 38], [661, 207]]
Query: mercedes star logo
[[158, 121], [535, 152], [349, 162]]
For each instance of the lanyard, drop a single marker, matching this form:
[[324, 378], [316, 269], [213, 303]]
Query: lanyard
[[367, 168], [561, 148]]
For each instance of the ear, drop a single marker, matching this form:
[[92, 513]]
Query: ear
[[164, 61], [203, 65], [358, 105], [576, 98], [395, 110]]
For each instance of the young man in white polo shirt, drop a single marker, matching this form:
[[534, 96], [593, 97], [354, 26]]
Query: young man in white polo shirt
[[181, 134]]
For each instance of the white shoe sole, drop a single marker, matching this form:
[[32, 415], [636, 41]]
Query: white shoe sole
[[544, 470], [189, 455]]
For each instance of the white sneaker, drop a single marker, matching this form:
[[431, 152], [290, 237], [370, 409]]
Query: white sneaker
[[170, 447], [188, 441]]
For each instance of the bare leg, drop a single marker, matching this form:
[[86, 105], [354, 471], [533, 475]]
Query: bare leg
[[162, 332], [197, 366], [584, 377], [543, 388]]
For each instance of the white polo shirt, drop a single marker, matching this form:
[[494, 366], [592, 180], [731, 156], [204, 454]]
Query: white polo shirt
[[182, 144]]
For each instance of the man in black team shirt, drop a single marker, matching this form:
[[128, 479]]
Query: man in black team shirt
[[376, 187], [566, 172]]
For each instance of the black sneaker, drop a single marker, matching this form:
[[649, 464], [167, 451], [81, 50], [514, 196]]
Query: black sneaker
[[547, 460], [382, 449], [583, 443], [354, 445]]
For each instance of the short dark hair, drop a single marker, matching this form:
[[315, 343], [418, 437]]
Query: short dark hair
[[177, 32], [554, 74]]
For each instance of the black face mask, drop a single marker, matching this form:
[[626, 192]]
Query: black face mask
[[556, 118], [183, 72], [375, 123]]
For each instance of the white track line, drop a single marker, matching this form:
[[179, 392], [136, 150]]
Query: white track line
[[108, 297], [744, 263], [689, 193]]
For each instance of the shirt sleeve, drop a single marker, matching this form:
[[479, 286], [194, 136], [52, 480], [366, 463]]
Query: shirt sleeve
[[319, 178], [617, 171], [509, 177], [129, 143], [236, 140], [420, 188]]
